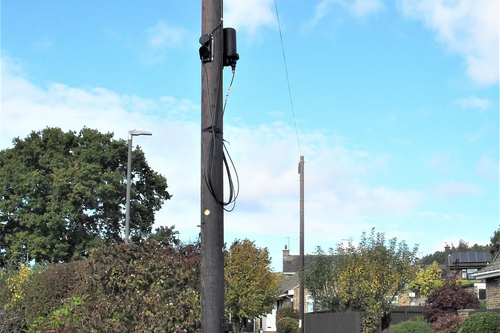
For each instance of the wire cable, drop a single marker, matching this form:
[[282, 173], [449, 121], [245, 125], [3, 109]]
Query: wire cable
[[217, 27], [233, 190], [210, 156], [287, 79], [227, 94]]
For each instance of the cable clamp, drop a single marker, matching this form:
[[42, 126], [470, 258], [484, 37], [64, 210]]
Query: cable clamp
[[212, 129]]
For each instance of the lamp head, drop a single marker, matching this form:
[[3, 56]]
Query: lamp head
[[137, 133]]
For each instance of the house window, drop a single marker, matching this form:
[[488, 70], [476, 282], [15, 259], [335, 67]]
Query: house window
[[470, 271], [309, 304], [467, 273]]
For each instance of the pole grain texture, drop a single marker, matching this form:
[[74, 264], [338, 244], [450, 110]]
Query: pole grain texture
[[212, 213], [301, 260]]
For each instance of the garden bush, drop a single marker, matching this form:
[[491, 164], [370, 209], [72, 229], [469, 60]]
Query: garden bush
[[286, 325], [13, 282], [448, 299], [10, 321], [412, 326], [482, 322], [59, 320], [143, 287], [448, 323], [49, 287], [287, 312], [369, 323]]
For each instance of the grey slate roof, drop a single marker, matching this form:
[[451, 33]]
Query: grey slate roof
[[289, 283], [494, 266], [470, 257], [291, 263]]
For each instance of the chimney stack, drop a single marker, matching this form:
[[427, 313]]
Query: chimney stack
[[447, 257], [286, 252]]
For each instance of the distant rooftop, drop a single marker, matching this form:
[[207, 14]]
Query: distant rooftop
[[291, 263]]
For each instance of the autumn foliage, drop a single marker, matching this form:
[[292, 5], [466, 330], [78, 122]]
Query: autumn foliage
[[448, 299], [366, 277], [144, 287], [427, 280], [251, 286]]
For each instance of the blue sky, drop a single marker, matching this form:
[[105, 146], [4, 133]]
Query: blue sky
[[396, 105]]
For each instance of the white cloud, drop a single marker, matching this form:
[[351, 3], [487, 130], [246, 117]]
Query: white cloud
[[158, 41], [362, 8], [249, 15], [472, 137], [358, 8], [163, 36], [265, 157], [439, 162], [488, 169], [42, 44], [467, 27], [473, 102], [457, 190]]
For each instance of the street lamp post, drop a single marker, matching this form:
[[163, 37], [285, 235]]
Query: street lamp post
[[129, 167]]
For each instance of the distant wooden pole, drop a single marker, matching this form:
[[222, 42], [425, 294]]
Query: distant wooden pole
[[301, 257], [212, 212]]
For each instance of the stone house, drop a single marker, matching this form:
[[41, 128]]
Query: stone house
[[290, 285], [491, 275]]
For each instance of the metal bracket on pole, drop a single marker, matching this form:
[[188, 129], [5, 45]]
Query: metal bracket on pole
[[227, 326], [206, 48]]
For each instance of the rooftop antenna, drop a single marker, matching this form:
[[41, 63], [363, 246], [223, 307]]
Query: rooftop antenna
[[287, 248]]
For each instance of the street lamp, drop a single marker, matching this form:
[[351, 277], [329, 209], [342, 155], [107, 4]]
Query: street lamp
[[129, 166]]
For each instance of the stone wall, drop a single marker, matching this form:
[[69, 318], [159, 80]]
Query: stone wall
[[493, 293]]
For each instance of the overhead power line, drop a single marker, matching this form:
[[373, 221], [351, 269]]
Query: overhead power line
[[287, 78]]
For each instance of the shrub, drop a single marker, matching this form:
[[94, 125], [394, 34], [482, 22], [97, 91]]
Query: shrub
[[287, 313], [447, 300], [143, 287], [369, 323], [16, 283], [482, 322], [448, 323], [10, 321], [50, 288], [57, 320], [412, 326], [286, 325]]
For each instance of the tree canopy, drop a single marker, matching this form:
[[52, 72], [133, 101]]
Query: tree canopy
[[495, 242], [251, 286], [366, 277], [427, 280], [63, 193]]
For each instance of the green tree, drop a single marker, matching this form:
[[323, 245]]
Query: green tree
[[428, 280], [62, 194], [321, 279], [165, 235], [251, 286], [366, 277], [495, 242], [438, 256]]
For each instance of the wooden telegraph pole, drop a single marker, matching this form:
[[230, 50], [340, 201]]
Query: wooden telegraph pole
[[301, 257], [212, 212]]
